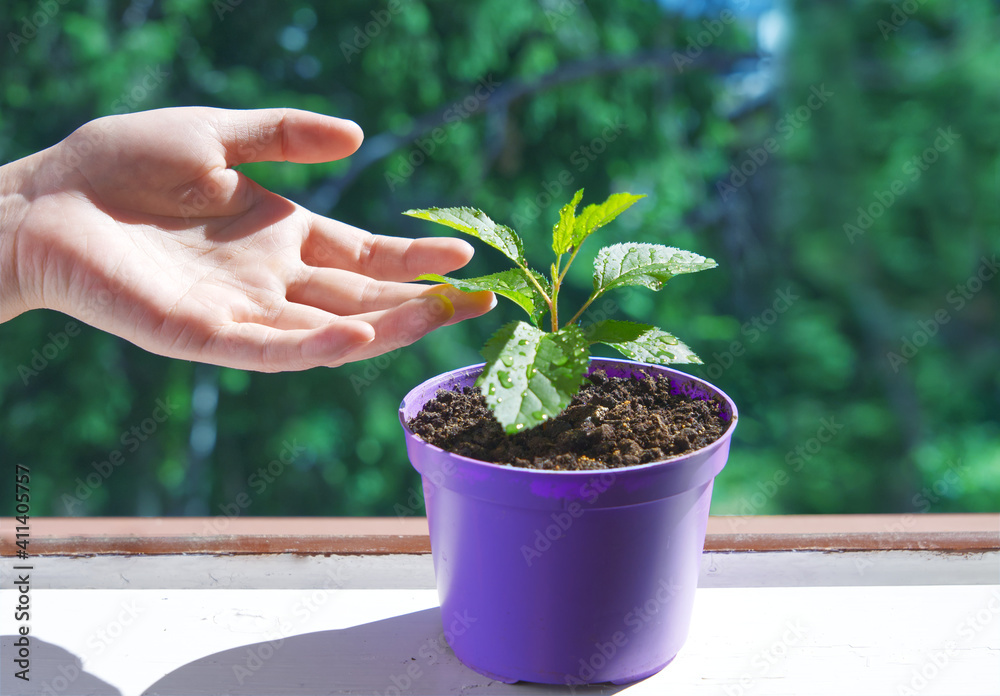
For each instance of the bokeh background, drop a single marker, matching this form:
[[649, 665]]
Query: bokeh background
[[840, 161]]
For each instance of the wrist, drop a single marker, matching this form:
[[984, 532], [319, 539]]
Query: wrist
[[15, 184]]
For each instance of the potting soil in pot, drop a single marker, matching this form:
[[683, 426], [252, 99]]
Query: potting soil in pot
[[612, 422]]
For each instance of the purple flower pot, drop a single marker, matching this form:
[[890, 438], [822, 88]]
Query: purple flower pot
[[567, 577]]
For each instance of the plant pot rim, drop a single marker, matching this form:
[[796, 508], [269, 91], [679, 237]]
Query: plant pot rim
[[453, 377]]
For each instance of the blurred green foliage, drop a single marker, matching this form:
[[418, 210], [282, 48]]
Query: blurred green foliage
[[755, 151]]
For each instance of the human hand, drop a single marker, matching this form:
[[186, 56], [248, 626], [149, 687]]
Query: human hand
[[139, 225]]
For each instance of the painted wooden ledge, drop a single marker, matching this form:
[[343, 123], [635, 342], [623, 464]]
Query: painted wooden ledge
[[54, 536]]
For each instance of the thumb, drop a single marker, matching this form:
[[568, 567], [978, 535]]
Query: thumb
[[284, 135]]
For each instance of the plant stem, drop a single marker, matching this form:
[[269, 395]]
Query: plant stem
[[534, 281], [554, 308], [569, 263], [583, 308], [554, 305], [556, 282]]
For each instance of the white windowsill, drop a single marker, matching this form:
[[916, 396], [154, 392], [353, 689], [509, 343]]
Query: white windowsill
[[766, 640], [837, 605]]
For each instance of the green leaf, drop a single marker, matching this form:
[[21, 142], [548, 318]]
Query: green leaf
[[531, 375], [477, 224], [640, 342], [512, 284], [562, 232], [597, 215], [649, 265]]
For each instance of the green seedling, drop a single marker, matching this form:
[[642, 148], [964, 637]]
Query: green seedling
[[532, 374]]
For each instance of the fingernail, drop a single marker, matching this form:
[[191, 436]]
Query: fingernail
[[438, 307], [476, 302], [465, 301]]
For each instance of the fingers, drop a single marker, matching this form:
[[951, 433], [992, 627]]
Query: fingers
[[300, 316], [346, 293], [468, 305], [262, 348], [334, 244], [303, 337], [414, 319], [343, 292], [404, 325], [279, 135]]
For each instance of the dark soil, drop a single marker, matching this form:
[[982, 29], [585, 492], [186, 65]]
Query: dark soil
[[611, 423]]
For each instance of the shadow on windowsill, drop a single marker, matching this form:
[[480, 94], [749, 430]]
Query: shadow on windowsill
[[401, 655], [51, 670]]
